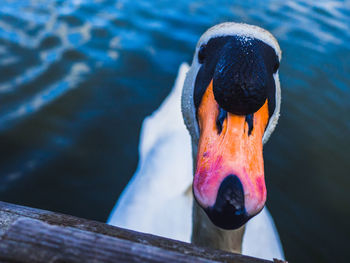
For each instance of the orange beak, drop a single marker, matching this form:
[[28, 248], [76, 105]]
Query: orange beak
[[229, 180]]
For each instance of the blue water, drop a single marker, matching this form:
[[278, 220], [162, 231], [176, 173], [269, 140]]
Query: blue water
[[78, 77]]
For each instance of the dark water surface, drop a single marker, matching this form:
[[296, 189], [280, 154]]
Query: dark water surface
[[78, 77]]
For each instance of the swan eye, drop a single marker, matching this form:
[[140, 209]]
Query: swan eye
[[201, 54], [275, 68]]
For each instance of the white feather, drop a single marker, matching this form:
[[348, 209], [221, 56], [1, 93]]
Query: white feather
[[157, 199]]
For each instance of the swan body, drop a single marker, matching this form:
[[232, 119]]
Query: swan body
[[159, 199], [163, 177]]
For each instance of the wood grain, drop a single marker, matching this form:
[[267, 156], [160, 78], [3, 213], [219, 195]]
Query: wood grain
[[34, 235]]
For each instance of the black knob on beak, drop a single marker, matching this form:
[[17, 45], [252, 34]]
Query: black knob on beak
[[228, 211], [240, 78]]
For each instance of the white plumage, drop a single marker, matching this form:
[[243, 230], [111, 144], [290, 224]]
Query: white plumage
[[158, 199]]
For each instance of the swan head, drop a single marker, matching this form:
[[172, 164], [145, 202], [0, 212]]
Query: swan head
[[230, 104]]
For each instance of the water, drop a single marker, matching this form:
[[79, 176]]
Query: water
[[78, 77]]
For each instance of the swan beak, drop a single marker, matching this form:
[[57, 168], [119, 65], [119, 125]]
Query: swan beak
[[229, 181]]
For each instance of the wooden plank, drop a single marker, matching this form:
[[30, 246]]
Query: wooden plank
[[48, 243], [34, 235]]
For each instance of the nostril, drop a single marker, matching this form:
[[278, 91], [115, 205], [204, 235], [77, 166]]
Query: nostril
[[249, 119], [229, 211], [220, 119]]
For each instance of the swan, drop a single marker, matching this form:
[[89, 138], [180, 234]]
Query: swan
[[200, 176]]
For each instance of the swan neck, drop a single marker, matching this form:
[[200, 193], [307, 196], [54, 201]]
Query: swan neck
[[206, 234]]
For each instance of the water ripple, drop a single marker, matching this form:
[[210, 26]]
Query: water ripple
[[45, 97]]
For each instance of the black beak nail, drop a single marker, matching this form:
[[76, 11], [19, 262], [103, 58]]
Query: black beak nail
[[229, 211]]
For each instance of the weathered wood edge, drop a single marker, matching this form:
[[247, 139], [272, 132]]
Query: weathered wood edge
[[10, 214], [30, 240]]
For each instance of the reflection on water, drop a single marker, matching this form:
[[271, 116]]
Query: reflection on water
[[77, 79]]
